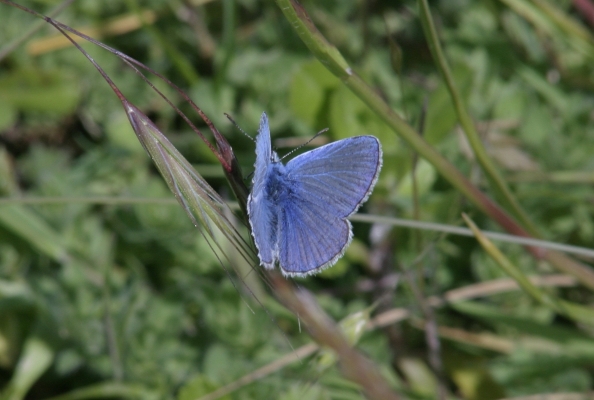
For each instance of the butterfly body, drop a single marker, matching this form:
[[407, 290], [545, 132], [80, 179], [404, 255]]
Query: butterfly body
[[298, 212]]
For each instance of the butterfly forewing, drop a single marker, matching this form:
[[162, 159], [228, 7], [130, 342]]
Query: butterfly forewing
[[338, 176]]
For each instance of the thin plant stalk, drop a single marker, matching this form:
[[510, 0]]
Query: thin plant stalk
[[354, 365], [331, 58], [11, 46], [498, 184], [577, 312], [205, 207], [394, 316]]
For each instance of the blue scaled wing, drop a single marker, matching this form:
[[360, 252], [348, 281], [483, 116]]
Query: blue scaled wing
[[260, 211], [327, 184]]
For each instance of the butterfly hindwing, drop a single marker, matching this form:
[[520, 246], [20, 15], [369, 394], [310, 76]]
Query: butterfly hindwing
[[310, 238]]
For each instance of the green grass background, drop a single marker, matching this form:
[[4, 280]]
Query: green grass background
[[104, 297]]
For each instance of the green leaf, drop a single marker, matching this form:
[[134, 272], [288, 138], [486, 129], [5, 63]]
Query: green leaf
[[8, 114], [31, 89], [34, 361], [425, 176], [24, 223], [197, 387], [441, 115], [309, 87], [571, 339], [107, 389]]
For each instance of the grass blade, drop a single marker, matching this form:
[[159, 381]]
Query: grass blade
[[574, 311]]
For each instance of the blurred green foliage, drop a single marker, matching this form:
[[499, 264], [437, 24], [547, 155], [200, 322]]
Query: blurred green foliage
[[100, 299]]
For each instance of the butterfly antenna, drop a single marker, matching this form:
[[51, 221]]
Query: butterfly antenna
[[306, 143], [238, 127]]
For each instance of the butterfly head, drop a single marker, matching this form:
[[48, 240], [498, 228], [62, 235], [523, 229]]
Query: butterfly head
[[274, 157]]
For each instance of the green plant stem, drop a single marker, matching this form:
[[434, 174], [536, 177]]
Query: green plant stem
[[354, 365], [574, 311], [331, 58], [185, 68], [37, 26], [502, 191]]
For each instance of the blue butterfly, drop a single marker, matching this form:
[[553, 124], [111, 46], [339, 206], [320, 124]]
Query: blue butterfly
[[298, 212]]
